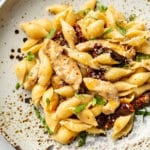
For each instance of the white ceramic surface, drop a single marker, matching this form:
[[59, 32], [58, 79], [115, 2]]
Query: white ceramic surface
[[18, 122]]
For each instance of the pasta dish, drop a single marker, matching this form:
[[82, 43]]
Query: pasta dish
[[88, 70]]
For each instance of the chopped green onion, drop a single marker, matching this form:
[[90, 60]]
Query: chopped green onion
[[84, 12], [121, 29], [47, 101], [139, 57], [108, 31], [30, 56], [98, 100], [79, 108], [101, 7], [126, 65], [38, 114], [93, 38], [132, 17], [142, 112], [17, 86], [51, 34], [82, 139]]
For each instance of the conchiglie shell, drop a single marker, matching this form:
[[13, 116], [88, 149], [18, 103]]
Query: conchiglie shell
[[64, 136], [45, 70], [35, 48], [110, 107], [133, 33], [95, 131], [37, 93], [31, 64], [45, 23], [29, 43], [136, 41], [136, 25], [71, 16], [66, 91], [139, 78], [140, 69], [81, 57], [123, 86], [98, 27], [32, 77], [110, 17], [57, 8], [104, 59], [126, 93], [96, 15], [128, 99], [87, 116], [96, 110], [64, 109], [67, 15], [85, 98], [142, 89], [57, 82], [33, 30], [89, 4], [75, 125], [122, 126], [145, 48], [69, 34], [114, 74], [52, 121], [125, 131], [114, 35], [53, 98], [21, 70]]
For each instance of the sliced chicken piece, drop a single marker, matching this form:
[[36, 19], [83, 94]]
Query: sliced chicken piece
[[65, 67], [107, 90]]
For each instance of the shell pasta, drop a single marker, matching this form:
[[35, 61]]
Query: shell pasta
[[88, 70]]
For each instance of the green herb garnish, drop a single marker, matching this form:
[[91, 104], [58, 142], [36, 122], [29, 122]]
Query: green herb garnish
[[121, 29], [93, 38], [30, 56], [139, 57], [47, 101], [84, 12], [51, 34], [38, 114], [132, 17], [79, 108], [108, 31], [101, 7], [82, 139], [98, 100], [126, 65], [17, 86], [142, 112]]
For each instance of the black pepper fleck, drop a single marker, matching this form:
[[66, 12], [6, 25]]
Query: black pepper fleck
[[12, 50], [16, 31], [25, 39], [27, 100], [19, 50], [11, 56]]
